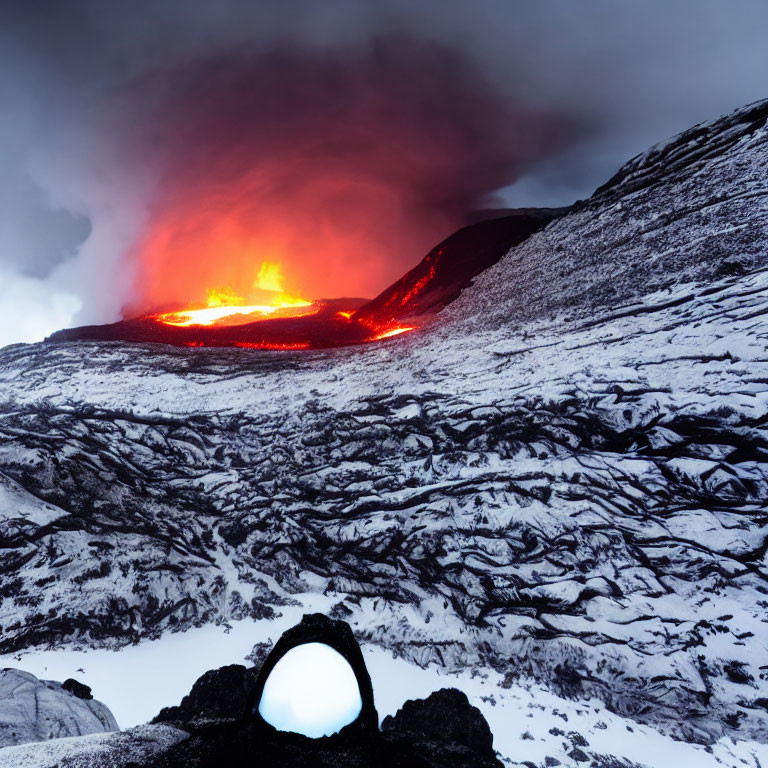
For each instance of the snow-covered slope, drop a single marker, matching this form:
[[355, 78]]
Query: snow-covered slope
[[563, 477]]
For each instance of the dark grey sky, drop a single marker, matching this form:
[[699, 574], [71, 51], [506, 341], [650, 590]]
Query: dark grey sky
[[579, 86]]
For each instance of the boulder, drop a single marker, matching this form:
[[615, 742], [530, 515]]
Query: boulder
[[38, 710]]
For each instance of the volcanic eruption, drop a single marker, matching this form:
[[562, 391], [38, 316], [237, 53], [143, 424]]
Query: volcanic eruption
[[292, 185], [271, 318]]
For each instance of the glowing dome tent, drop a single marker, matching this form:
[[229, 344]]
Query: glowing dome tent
[[312, 690], [315, 682]]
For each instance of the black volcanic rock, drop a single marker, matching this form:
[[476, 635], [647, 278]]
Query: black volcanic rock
[[444, 724], [419, 745], [317, 628], [450, 266], [226, 729], [249, 747], [220, 694], [445, 715], [78, 689]]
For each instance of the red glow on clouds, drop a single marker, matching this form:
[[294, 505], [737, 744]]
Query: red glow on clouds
[[332, 236], [344, 168]]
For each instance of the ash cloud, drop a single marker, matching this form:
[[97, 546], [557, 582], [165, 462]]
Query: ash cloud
[[106, 111]]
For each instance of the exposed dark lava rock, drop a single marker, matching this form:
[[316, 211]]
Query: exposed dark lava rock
[[220, 694], [444, 723], [317, 628], [226, 745], [232, 741], [221, 714], [78, 689]]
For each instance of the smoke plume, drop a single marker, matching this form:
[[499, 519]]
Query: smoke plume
[[344, 168]]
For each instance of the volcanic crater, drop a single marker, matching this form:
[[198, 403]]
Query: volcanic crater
[[304, 324]]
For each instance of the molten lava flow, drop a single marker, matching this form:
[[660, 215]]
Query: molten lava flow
[[231, 319], [212, 315], [419, 285], [271, 345], [393, 332], [225, 307], [257, 345]]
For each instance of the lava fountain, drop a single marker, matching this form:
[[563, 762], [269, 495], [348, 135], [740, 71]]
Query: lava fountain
[[225, 307]]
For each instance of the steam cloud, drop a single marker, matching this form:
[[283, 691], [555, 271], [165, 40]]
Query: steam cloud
[[345, 136]]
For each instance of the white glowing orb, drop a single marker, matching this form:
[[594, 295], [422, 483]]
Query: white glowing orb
[[312, 690]]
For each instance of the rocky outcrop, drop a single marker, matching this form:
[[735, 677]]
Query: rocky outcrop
[[223, 694], [445, 728], [337, 634], [441, 732], [38, 710], [202, 741], [219, 724]]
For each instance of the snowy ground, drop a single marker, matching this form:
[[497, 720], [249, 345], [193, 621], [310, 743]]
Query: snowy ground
[[528, 722]]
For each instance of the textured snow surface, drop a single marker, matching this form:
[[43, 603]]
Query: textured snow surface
[[563, 479], [108, 750], [37, 710], [529, 723]]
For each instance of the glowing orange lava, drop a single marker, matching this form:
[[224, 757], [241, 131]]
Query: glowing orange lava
[[229, 318], [271, 345], [225, 307], [257, 345], [393, 332]]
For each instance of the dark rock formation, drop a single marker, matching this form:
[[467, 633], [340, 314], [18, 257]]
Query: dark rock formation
[[223, 694], [77, 689], [226, 729], [235, 743], [443, 726], [317, 628], [220, 736]]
